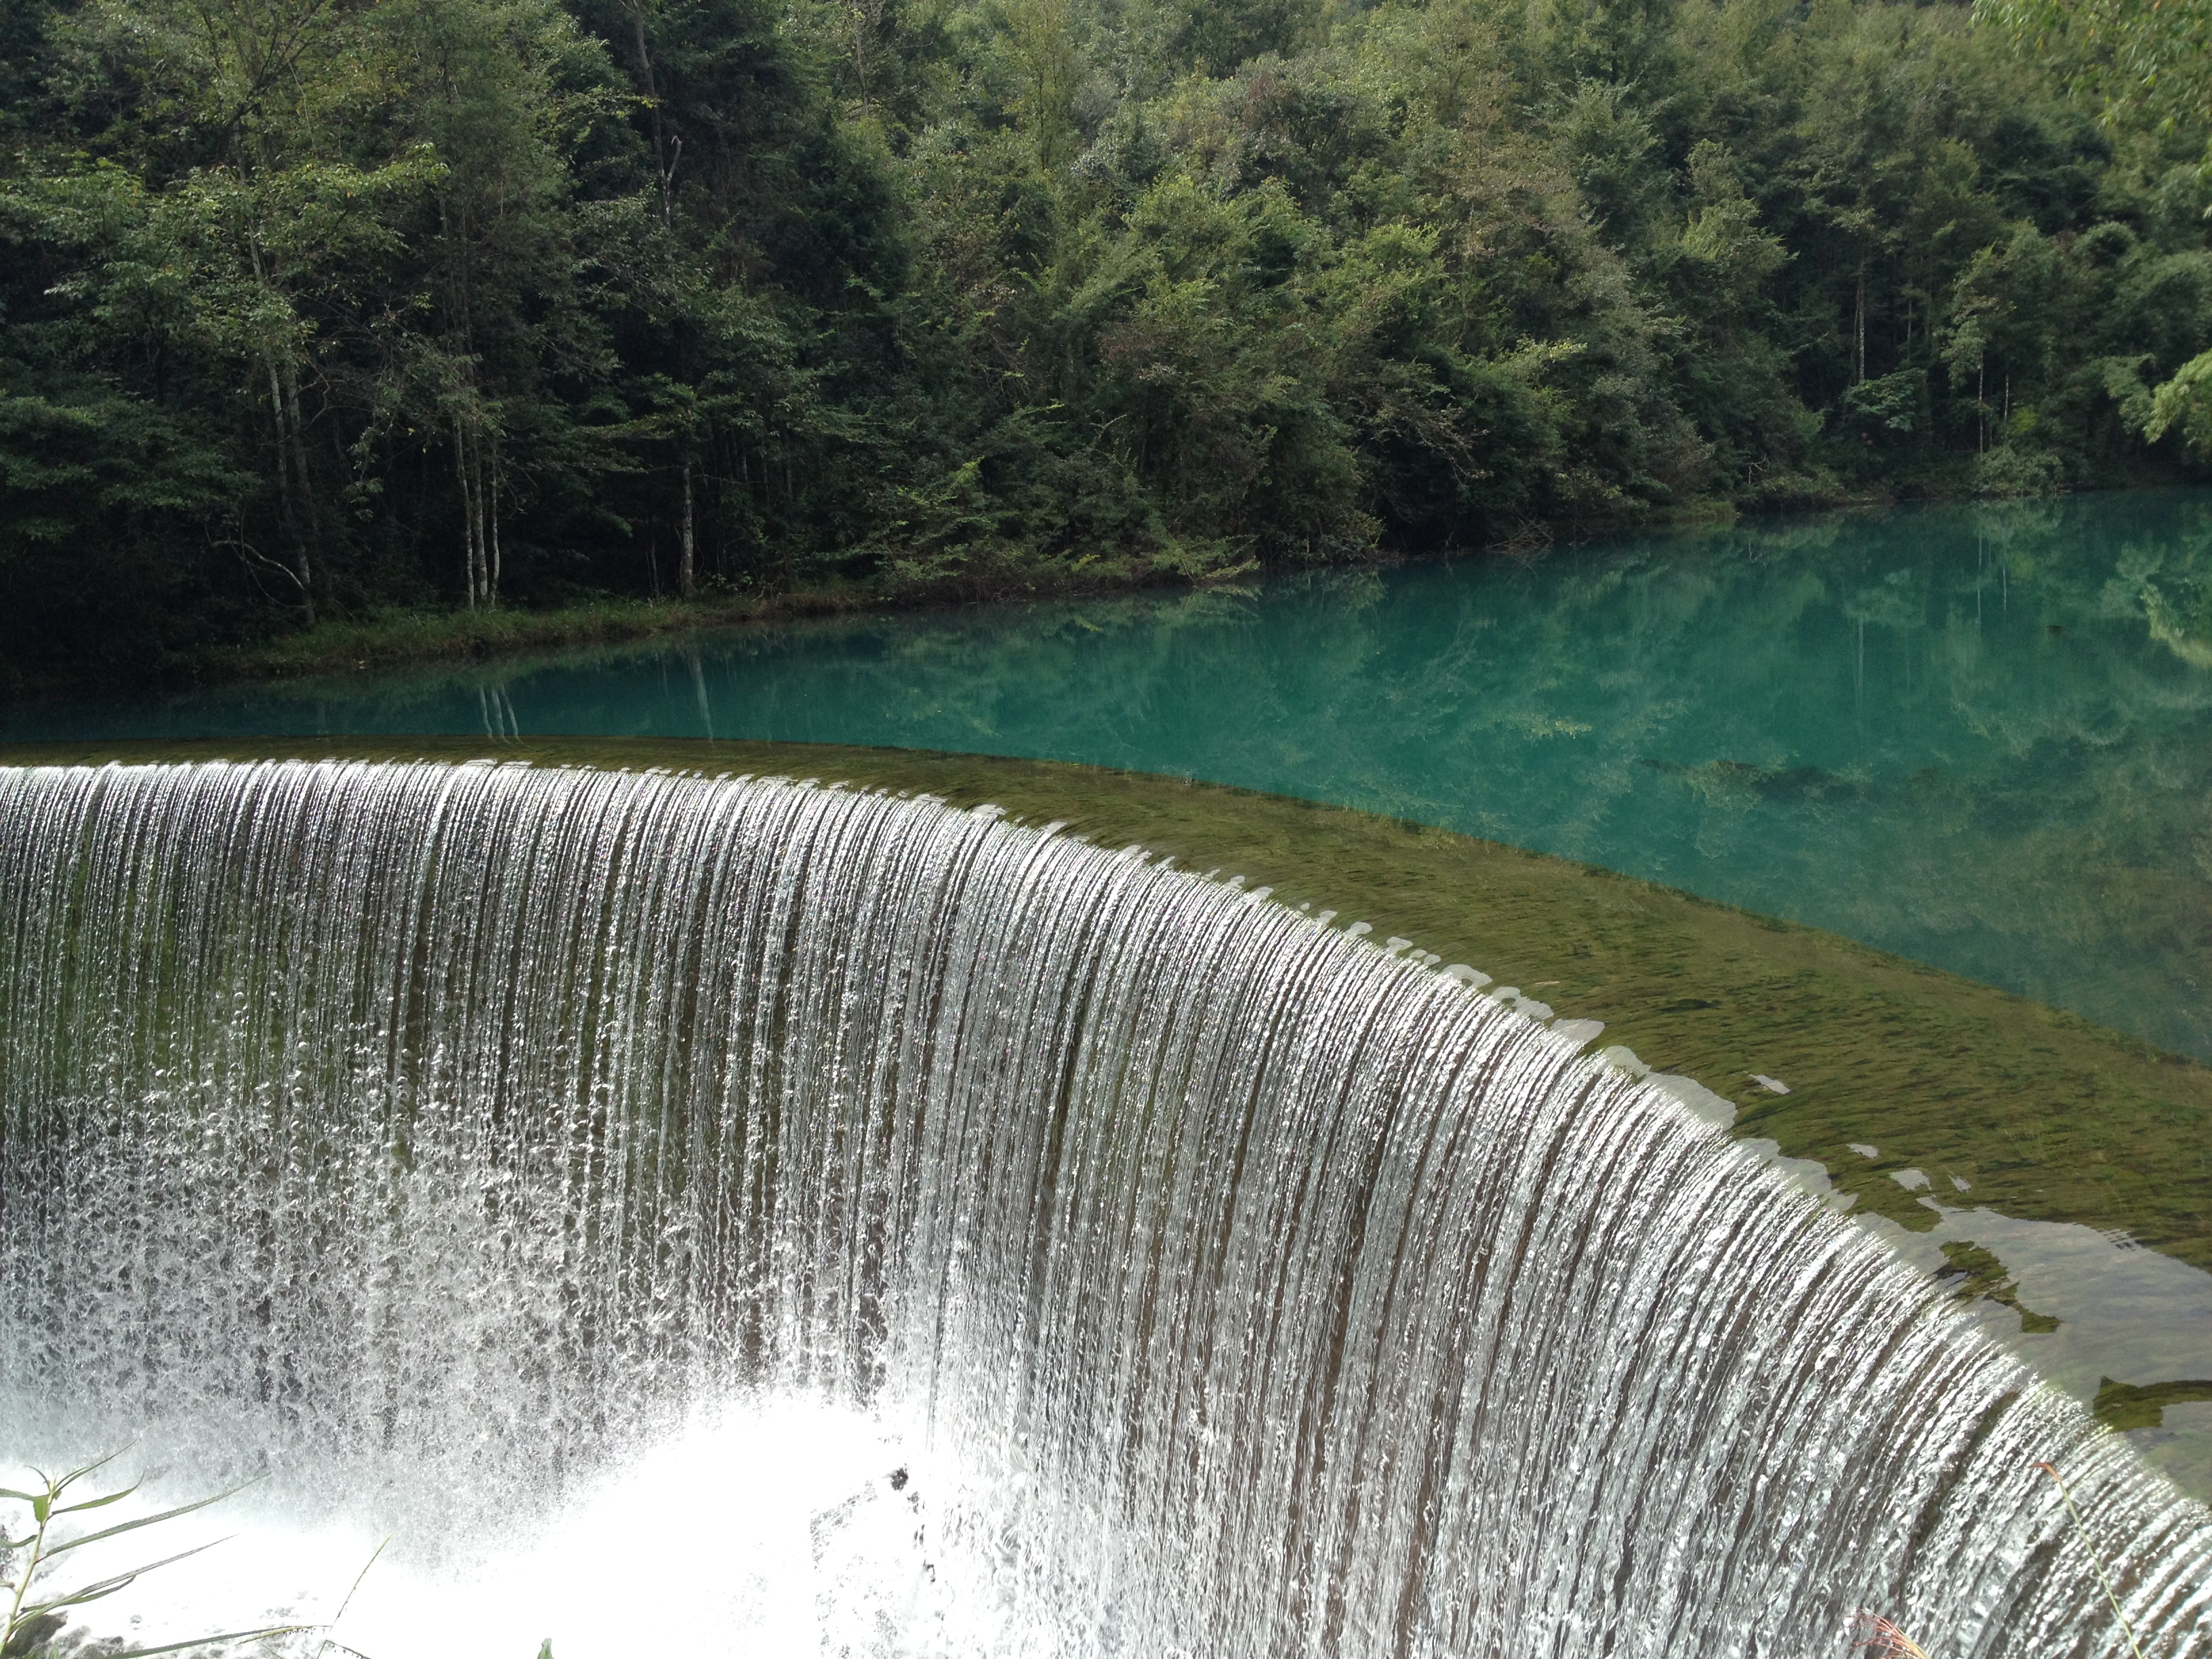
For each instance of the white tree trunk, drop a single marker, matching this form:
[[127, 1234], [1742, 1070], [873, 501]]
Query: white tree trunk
[[687, 573]]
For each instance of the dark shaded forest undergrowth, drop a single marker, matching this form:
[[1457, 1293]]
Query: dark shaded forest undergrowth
[[335, 311]]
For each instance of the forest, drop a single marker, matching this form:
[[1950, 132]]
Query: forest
[[320, 310]]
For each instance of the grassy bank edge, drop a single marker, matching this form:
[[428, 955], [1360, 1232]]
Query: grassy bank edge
[[393, 638], [430, 634]]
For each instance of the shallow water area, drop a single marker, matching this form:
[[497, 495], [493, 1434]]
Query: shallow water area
[[2088, 1312]]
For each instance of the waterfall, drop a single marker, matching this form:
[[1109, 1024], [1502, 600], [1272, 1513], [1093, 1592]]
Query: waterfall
[[434, 1135]]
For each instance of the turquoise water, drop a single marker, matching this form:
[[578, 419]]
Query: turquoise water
[[1978, 736]]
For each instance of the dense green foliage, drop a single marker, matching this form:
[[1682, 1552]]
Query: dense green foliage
[[316, 306]]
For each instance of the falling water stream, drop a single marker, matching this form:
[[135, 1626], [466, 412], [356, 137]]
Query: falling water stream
[[739, 1215]]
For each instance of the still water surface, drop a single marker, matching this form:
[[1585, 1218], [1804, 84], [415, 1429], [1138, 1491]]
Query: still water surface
[[1978, 736]]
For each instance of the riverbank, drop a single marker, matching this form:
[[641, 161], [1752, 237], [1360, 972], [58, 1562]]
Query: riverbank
[[400, 637], [395, 638]]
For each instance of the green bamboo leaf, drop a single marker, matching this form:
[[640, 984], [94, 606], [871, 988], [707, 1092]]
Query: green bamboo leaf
[[99, 1503], [106, 1588], [76, 1474], [146, 1520], [203, 1641], [95, 1591]]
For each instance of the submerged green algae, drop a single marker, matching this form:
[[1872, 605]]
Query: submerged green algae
[[1892, 1068]]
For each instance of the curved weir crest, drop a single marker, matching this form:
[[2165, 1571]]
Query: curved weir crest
[[431, 1137]]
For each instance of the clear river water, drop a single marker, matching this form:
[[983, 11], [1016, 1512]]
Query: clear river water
[[1979, 736]]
